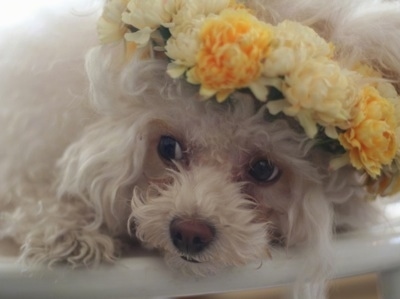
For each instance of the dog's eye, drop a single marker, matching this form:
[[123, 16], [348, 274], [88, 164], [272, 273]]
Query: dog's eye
[[169, 148], [264, 171]]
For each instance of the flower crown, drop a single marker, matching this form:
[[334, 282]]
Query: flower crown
[[221, 46]]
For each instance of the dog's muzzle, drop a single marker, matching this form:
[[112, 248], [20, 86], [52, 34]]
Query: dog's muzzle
[[191, 236]]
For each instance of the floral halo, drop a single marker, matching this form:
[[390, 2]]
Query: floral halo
[[221, 46]]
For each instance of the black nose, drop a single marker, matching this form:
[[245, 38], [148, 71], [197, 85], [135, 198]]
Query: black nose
[[191, 236]]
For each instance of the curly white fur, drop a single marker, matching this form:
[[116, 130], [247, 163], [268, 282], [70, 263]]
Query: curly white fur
[[79, 167]]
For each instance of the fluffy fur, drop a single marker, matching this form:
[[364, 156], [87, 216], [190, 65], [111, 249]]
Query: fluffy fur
[[80, 173]]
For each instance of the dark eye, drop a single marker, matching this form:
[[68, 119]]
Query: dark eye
[[169, 149], [263, 171]]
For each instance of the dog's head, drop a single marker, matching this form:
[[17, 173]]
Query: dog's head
[[210, 185], [214, 184], [217, 183]]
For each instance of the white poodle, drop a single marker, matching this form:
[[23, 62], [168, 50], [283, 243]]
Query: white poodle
[[103, 149]]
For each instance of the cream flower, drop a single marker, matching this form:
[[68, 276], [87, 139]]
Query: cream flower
[[207, 7], [183, 46], [318, 91], [147, 16], [232, 48], [110, 27], [387, 91], [293, 44], [375, 79], [366, 70], [192, 12], [142, 14], [371, 141], [193, 9]]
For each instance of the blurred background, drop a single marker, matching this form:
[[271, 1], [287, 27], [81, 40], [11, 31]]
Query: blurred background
[[358, 287]]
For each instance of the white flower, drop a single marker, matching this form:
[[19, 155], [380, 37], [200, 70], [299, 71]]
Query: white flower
[[183, 45], [279, 62], [293, 44], [110, 27], [141, 37], [293, 34], [194, 8], [147, 16], [207, 7], [387, 90], [318, 91]]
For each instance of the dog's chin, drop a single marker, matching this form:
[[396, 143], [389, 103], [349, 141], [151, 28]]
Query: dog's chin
[[190, 259], [192, 266]]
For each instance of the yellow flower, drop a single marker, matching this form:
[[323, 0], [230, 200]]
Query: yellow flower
[[371, 141], [386, 185], [184, 42], [318, 91], [110, 27], [232, 48]]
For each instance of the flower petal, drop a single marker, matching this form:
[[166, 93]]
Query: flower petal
[[207, 93], [308, 124], [339, 162], [141, 37], [259, 90], [331, 132], [175, 70], [275, 107], [222, 95]]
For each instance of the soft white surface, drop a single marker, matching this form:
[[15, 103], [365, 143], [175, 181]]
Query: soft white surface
[[147, 276], [13, 13]]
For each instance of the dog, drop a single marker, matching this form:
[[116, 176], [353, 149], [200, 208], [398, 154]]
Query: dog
[[105, 145]]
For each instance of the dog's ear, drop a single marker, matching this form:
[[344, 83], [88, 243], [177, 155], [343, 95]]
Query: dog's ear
[[118, 85], [370, 33], [101, 167], [345, 189]]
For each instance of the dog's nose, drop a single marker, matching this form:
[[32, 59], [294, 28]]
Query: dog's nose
[[191, 236]]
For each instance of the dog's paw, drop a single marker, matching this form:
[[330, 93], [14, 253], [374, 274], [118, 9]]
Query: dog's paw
[[75, 248]]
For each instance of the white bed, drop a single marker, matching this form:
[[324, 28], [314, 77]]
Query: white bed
[[146, 276]]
